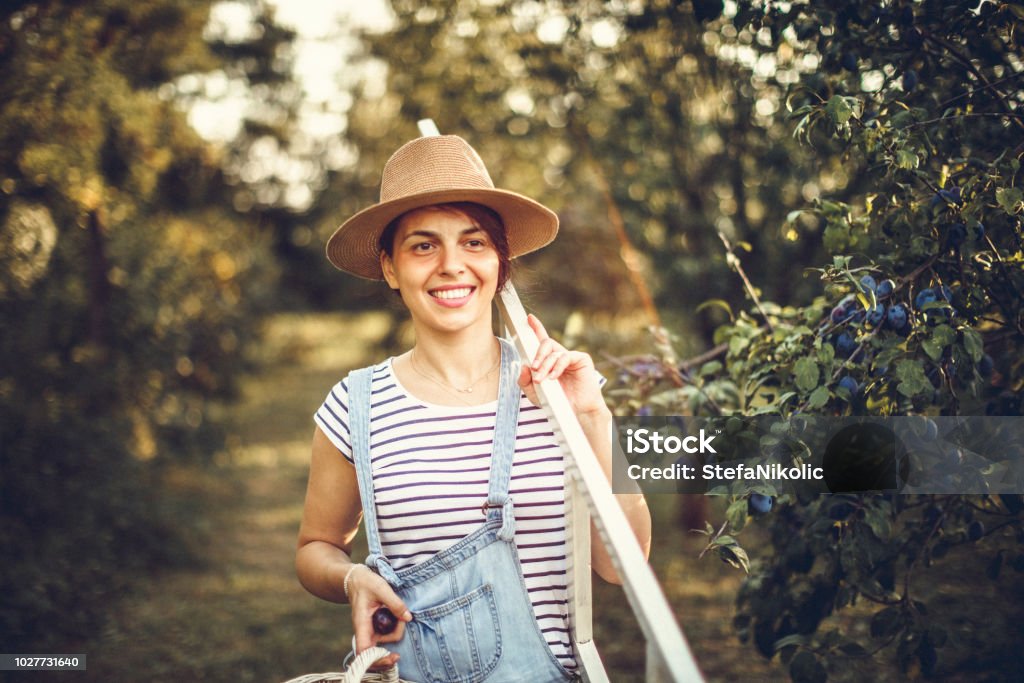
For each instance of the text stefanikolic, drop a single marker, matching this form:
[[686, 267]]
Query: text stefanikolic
[[819, 454]]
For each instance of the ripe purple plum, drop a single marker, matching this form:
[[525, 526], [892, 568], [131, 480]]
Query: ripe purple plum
[[875, 316], [885, 289], [845, 344], [897, 317], [384, 621], [849, 383], [925, 296], [759, 504]]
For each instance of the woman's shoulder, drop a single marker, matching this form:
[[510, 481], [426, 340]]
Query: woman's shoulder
[[333, 414], [379, 372], [336, 400]]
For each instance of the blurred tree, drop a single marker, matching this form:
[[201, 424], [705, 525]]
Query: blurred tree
[[128, 292], [639, 109]]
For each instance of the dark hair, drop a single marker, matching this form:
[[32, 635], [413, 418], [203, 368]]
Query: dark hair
[[485, 218]]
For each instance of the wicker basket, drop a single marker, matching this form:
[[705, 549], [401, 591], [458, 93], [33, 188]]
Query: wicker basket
[[357, 671]]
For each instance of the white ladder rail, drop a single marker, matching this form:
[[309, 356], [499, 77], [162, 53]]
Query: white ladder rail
[[668, 654], [589, 497]]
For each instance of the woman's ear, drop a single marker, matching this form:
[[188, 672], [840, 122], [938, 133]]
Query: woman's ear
[[388, 268]]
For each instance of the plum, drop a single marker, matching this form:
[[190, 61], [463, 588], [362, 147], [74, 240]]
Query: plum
[[849, 383], [384, 621], [759, 504]]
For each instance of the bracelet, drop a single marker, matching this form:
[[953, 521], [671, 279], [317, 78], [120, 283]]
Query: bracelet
[[348, 575]]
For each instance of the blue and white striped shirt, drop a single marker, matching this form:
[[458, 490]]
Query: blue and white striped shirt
[[430, 465]]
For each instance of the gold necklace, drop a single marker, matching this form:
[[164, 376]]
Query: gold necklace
[[442, 383]]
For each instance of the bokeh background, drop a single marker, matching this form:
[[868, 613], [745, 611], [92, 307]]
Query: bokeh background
[[725, 173]]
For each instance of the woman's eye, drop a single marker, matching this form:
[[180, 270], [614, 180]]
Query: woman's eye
[[422, 246], [476, 243]]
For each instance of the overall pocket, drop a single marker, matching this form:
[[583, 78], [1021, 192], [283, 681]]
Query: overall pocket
[[459, 640]]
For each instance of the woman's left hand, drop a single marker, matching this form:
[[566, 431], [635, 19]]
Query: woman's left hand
[[574, 370]]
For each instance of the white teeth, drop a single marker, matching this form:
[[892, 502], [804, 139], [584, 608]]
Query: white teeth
[[451, 293]]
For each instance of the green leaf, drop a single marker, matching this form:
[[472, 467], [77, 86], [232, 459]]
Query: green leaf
[[887, 356], [886, 622], [912, 380], [787, 641], [826, 354], [932, 348], [819, 397], [841, 262], [712, 367], [852, 648], [973, 344], [735, 556], [737, 343], [1011, 199], [879, 523], [802, 125], [805, 668], [839, 110], [907, 160], [737, 515], [901, 119], [718, 303], [945, 335], [806, 373]]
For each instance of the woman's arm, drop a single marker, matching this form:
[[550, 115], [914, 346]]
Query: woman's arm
[[598, 429], [575, 372], [330, 520]]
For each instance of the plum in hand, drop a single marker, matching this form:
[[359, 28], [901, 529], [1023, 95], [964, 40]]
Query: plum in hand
[[384, 621]]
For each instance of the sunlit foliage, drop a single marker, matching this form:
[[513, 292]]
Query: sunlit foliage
[[128, 292]]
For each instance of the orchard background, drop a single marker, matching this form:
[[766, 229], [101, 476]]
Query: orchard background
[[787, 207]]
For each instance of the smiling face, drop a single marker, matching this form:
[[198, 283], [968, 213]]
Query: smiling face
[[446, 268]]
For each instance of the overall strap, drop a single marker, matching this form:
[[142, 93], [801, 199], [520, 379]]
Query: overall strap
[[359, 429], [506, 422]]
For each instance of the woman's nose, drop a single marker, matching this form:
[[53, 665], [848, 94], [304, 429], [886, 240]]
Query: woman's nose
[[452, 262]]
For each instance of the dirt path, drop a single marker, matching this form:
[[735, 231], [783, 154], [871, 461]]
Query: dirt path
[[244, 617]]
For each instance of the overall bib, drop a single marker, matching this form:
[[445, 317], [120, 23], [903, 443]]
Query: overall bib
[[472, 618]]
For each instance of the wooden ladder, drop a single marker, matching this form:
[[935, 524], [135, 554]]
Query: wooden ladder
[[589, 498]]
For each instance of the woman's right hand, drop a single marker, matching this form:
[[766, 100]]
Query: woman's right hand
[[368, 592]]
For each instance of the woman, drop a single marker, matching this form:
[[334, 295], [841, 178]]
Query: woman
[[466, 533]]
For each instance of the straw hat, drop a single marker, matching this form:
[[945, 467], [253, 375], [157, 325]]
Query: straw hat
[[436, 170]]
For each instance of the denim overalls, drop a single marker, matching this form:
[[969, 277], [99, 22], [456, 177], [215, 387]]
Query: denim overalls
[[472, 618]]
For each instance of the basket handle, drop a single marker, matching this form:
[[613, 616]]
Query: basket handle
[[362, 662]]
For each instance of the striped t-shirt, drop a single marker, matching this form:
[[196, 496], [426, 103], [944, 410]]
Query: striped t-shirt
[[430, 466]]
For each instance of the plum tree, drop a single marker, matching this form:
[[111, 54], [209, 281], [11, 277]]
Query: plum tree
[[919, 313]]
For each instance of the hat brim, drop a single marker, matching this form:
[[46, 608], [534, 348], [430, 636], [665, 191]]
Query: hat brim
[[354, 246]]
